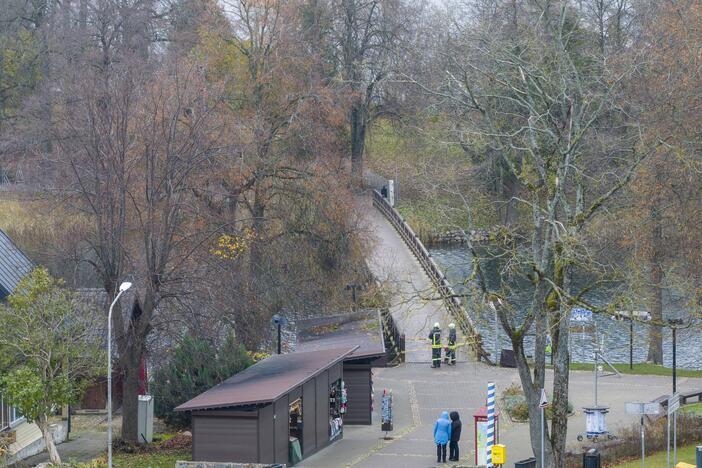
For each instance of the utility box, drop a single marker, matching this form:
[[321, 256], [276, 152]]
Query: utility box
[[499, 454], [146, 419]]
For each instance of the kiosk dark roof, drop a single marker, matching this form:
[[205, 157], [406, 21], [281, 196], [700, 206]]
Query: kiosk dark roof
[[361, 329], [268, 380]]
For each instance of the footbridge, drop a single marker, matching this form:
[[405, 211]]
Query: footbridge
[[422, 295]]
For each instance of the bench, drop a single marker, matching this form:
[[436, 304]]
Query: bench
[[662, 400], [684, 397]]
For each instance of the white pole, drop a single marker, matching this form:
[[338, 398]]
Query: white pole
[[497, 339], [596, 363], [667, 433], [123, 287], [643, 441], [543, 436], [675, 438]]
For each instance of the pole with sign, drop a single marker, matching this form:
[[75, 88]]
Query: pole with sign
[[641, 409], [673, 405], [543, 403]]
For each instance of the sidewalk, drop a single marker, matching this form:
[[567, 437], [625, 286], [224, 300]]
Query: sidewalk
[[87, 441]]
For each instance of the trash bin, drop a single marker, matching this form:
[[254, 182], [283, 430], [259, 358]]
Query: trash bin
[[528, 463], [145, 419], [591, 459]]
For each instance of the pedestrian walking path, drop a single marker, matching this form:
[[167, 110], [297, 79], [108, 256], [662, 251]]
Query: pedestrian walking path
[[415, 303]]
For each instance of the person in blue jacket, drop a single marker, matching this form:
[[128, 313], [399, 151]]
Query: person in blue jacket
[[442, 435]]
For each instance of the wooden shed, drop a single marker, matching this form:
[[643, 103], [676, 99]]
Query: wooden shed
[[280, 410], [362, 330]]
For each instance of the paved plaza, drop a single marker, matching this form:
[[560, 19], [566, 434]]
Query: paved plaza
[[421, 393]]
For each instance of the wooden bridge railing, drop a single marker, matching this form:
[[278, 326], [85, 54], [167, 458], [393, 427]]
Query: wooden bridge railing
[[441, 283]]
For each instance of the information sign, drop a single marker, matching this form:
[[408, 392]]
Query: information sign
[[580, 315]]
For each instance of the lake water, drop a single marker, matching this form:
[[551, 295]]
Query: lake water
[[456, 264]]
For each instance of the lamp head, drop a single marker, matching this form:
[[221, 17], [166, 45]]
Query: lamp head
[[124, 286]]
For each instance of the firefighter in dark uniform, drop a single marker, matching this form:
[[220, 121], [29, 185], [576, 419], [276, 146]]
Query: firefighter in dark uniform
[[435, 338], [452, 345]]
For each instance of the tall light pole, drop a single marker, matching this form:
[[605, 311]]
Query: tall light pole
[[122, 287], [278, 321], [674, 325]]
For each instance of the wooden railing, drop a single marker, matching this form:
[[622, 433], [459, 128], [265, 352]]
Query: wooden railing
[[437, 277], [394, 339]]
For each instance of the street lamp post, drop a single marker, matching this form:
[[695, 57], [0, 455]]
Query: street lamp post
[[278, 320], [353, 287], [122, 288], [674, 325]]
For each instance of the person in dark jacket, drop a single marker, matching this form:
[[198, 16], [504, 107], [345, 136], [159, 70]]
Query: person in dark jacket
[[455, 436], [442, 435], [452, 345], [435, 338]]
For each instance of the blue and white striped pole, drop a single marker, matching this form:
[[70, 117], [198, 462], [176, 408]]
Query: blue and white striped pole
[[490, 422]]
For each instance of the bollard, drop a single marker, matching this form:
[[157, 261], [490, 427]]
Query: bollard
[[699, 456]]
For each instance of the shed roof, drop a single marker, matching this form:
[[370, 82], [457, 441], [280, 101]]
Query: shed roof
[[267, 380], [360, 329], [14, 265]]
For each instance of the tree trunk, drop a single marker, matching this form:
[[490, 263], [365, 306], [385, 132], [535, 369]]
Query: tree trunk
[[359, 123], [132, 350], [655, 335], [561, 367], [130, 404], [49, 441], [532, 395]]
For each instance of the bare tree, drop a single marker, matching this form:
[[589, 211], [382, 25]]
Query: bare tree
[[552, 114], [134, 146], [368, 35]]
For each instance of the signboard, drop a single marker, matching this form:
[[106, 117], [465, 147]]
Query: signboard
[[481, 442], [673, 403], [641, 408], [543, 403], [386, 412], [580, 315]]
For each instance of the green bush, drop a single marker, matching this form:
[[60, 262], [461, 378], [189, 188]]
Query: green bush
[[195, 365], [516, 407], [512, 390], [519, 412]]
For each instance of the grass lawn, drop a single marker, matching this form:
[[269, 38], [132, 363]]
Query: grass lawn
[[141, 460], [640, 369], [685, 454], [150, 460], [694, 408]]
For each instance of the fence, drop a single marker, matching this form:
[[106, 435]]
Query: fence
[[451, 300], [394, 340]]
